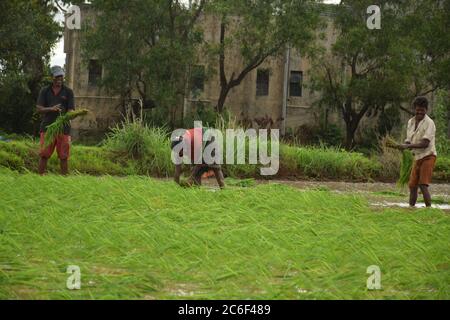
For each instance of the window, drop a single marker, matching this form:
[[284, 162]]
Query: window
[[198, 79], [262, 82], [295, 84], [95, 73]]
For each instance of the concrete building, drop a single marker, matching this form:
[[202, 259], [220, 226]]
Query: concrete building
[[261, 95]]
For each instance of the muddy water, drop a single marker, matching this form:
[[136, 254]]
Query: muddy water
[[406, 205]]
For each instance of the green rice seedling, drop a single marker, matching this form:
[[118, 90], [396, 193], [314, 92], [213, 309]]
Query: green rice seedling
[[391, 143], [57, 127], [405, 167], [141, 238], [11, 161]]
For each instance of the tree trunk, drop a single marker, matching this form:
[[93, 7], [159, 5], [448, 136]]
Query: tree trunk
[[222, 98], [448, 122], [350, 134]]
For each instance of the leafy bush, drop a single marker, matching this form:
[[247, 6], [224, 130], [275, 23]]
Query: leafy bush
[[442, 168], [440, 116]]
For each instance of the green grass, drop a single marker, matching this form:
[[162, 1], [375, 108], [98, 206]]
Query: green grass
[[146, 151], [327, 163], [140, 238]]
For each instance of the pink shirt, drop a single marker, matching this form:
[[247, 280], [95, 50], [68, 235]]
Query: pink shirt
[[194, 138]]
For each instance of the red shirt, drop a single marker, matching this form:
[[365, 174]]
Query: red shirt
[[194, 139]]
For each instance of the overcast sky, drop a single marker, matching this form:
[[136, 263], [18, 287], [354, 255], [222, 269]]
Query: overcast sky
[[59, 57]]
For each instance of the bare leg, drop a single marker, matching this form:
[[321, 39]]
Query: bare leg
[[64, 164], [196, 175], [42, 165], [426, 195], [219, 177], [413, 196]]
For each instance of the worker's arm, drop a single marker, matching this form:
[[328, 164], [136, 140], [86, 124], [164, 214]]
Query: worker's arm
[[424, 143], [43, 110], [177, 173]]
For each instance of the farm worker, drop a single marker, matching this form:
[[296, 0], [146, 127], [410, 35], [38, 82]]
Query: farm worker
[[420, 138], [193, 139], [54, 100]]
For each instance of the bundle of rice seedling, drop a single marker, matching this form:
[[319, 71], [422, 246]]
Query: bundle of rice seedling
[[391, 143], [57, 127], [405, 167]]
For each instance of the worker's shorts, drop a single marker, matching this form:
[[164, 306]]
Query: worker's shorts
[[61, 143], [422, 171]]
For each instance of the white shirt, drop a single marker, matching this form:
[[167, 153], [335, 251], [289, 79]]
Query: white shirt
[[425, 130]]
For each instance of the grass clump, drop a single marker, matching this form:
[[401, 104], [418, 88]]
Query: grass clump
[[139, 238], [147, 147], [10, 160], [327, 163]]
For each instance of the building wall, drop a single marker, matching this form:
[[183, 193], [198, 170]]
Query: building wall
[[242, 100], [102, 106]]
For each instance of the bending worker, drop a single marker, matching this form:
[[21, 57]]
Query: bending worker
[[193, 139]]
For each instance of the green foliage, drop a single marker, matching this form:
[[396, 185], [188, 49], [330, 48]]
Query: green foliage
[[11, 161], [442, 168], [139, 238], [153, 46], [327, 163], [201, 112], [121, 155], [27, 32], [149, 147], [441, 114], [368, 71]]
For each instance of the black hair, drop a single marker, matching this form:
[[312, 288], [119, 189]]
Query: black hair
[[421, 102]]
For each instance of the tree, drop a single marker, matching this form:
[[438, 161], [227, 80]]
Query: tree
[[258, 30], [369, 70], [148, 52], [28, 32]]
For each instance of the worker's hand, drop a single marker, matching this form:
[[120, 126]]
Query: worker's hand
[[404, 146], [56, 108]]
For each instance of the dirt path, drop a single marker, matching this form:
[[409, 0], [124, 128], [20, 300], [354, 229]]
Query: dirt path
[[441, 190], [379, 194]]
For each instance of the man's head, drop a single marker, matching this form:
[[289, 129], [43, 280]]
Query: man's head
[[420, 105], [58, 75]]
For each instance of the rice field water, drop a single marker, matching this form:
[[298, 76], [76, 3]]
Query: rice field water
[[141, 238]]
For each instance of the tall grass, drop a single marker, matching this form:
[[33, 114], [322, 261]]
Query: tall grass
[[327, 163], [138, 238], [135, 149], [149, 147]]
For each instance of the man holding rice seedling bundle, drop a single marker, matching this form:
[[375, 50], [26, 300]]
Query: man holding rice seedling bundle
[[420, 139], [53, 101], [193, 140]]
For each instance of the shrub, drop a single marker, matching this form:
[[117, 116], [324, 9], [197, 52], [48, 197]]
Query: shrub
[[440, 116]]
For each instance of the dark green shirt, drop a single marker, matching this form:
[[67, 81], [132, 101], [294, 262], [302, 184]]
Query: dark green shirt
[[48, 99]]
